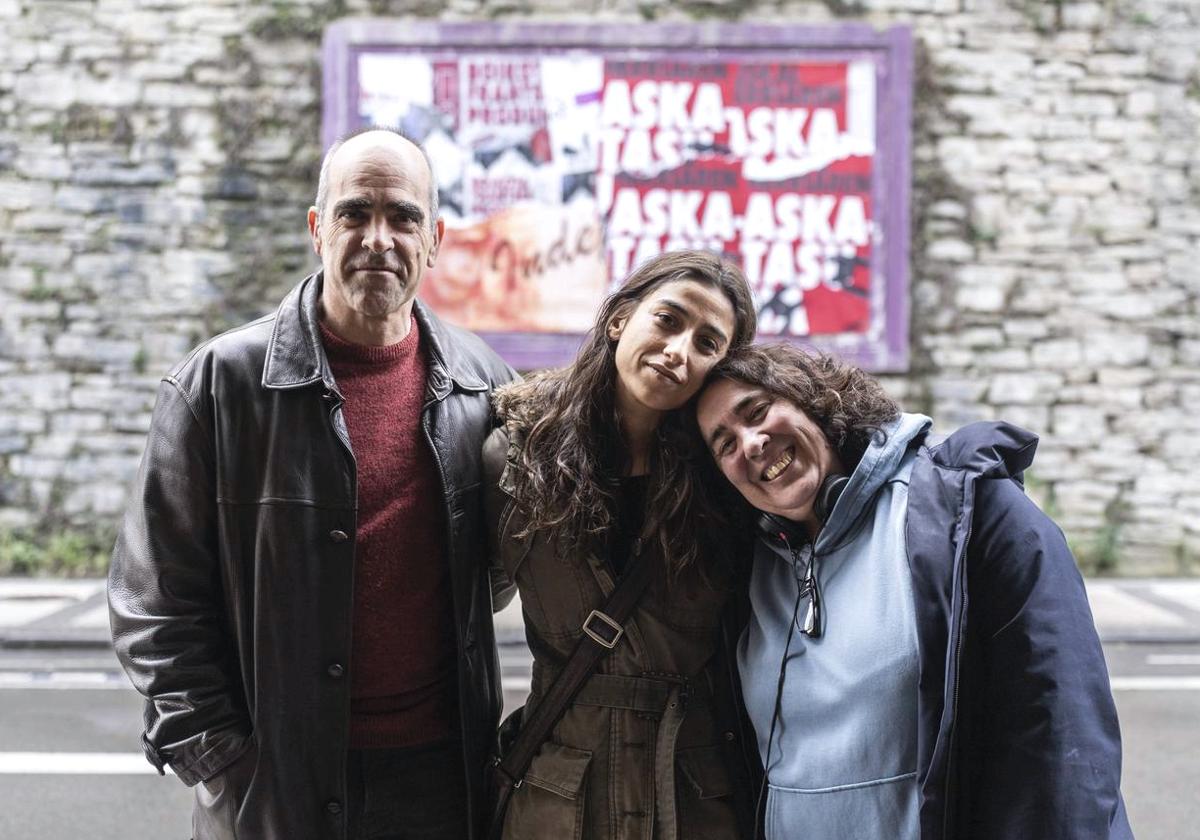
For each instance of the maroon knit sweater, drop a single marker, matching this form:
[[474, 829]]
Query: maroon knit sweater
[[402, 662]]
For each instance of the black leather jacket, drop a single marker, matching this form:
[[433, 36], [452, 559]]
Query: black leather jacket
[[231, 583]]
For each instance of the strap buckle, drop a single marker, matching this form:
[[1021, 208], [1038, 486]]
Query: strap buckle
[[499, 769], [604, 631]]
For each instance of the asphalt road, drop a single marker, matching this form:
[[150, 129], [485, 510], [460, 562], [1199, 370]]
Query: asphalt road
[[56, 732], [70, 768]]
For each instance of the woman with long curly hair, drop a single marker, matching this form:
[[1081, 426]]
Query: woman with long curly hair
[[591, 471], [919, 661]]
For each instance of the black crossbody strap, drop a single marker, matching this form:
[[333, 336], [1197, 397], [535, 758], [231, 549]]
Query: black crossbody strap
[[602, 630]]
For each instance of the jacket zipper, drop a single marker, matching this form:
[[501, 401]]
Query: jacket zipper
[[958, 638]]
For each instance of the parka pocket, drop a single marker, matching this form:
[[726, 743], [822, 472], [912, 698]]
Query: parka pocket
[[550, 803], [556, 591], [692, 608], [704, 795]]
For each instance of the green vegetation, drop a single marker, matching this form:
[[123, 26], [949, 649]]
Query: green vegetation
[[1100, 553], [715, 10], [140, 359], [39, 292], [981, 235], [1097, 555], [64, 553], [87, 123], [284, 21], [1187, 563], [1045, 16], [1043, 495], [846, 8], [1193, 87]]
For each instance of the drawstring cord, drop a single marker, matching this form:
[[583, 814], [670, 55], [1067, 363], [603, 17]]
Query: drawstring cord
[[808, 584]]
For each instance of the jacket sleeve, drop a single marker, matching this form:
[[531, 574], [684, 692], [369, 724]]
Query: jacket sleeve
[[165, 601], [495, 453], [495, 507], [1047, 751]]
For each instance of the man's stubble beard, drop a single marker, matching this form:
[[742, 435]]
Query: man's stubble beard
[[376, 300]]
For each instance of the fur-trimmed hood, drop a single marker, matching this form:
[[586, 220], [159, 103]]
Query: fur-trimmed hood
[[518, 405]]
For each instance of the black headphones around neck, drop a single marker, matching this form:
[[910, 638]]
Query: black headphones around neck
[[777, 529]]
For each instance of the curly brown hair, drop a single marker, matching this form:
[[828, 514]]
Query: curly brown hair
[[848, 404], [572, 454]]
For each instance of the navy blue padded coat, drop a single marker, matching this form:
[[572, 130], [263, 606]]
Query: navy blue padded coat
[[1018, 735], [1017, 732]]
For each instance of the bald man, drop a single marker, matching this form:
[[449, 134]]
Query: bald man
[[299, 589]]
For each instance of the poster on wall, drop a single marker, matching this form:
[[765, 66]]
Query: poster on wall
[[562, 166]]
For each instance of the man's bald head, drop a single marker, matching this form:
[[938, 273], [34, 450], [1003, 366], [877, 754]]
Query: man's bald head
[[378, 236], [374, 136]]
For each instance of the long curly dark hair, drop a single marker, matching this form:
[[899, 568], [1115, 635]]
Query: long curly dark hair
[[848, 404], [572, 454]]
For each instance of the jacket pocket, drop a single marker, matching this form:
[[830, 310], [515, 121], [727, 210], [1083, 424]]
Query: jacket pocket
[[704, 792], [550, 803], [221, 796]]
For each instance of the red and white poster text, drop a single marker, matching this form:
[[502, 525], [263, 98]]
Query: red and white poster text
[[558, 174]]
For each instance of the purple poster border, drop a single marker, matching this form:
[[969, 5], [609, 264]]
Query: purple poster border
[[885, 347]]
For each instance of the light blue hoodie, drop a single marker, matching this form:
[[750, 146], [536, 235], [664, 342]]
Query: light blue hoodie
[[843, 760]]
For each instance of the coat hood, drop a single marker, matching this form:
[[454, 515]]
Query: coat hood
[[993, 449], [879, 463], [518, 405]]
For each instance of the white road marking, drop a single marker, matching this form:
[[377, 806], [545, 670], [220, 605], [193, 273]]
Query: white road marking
[[1173, 659], [49, 588], [107, 680], [1185, 592], [86, 680], [82, 764], [1156, 683], [97, 616], [1117, 610], [62, 680], [22, 611]]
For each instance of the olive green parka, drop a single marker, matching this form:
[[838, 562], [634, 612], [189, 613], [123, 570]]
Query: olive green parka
[[651, 748]]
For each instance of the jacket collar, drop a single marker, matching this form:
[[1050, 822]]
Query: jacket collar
[[449, 367], [296, 357]]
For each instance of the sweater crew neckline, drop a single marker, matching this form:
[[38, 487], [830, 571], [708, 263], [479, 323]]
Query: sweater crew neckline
[[342, 350]]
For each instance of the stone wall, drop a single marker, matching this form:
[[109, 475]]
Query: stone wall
[[157, 157]]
